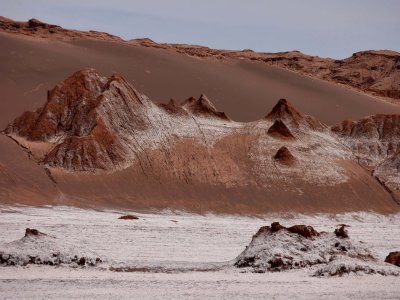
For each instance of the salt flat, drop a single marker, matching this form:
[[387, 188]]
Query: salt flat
[[180, 255]]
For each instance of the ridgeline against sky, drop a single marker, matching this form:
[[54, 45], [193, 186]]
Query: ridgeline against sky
[[329, 29]]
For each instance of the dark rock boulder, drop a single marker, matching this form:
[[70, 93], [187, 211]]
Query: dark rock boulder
[[304, 231], [128, 217], [342, 232], [33, 232], [393, 258]]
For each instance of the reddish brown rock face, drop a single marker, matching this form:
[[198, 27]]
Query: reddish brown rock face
[[203, 107], [393, 258], [279, 130], [70, 109], [86, 117], [303, 230], [35, 27], [173, 108], [285, 111]]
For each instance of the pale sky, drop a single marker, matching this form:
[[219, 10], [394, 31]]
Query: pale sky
[[335, 28]]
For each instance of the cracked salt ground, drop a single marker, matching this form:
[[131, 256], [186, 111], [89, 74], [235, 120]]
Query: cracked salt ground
[[176, 255]]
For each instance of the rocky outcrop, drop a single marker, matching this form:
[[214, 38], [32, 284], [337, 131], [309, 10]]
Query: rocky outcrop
[[393, 258], [42, 249], [103, 132], [303, 230], [286, 112], [376, 72], [203, 107], [37, 28], [278, 248], [173, 108], [341, 232], [33, 232], [87, 119], [280, 130], [375, 141]]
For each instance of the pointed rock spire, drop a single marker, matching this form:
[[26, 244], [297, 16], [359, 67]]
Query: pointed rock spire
[[284, 110], [203, 107], [285, 157]]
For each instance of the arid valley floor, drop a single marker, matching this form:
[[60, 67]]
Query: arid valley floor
[[201, 152], [180, 255]]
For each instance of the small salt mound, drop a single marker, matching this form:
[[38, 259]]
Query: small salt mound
[[277, 248], [39, 248]]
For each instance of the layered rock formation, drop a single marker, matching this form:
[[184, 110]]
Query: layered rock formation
[[86, 122], [99, 138], [375, 141], [35, 27]]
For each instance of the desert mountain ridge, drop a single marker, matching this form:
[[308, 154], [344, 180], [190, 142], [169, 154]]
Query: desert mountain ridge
[[101, 142], [375, 72]]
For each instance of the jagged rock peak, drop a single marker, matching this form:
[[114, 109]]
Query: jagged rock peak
[[173, 108], [77, 105], [86, 117], [280, 130], [203, 107], [35, 27], [378, 126], [285, 110], [285, 157]]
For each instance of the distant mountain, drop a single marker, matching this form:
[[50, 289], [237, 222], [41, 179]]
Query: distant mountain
[[374, 72]]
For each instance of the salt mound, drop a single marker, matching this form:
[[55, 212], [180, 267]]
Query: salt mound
[[39, 248], [277, 248]]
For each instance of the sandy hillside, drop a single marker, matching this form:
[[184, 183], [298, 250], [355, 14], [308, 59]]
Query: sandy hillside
[[243, 88], [96, 139]]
